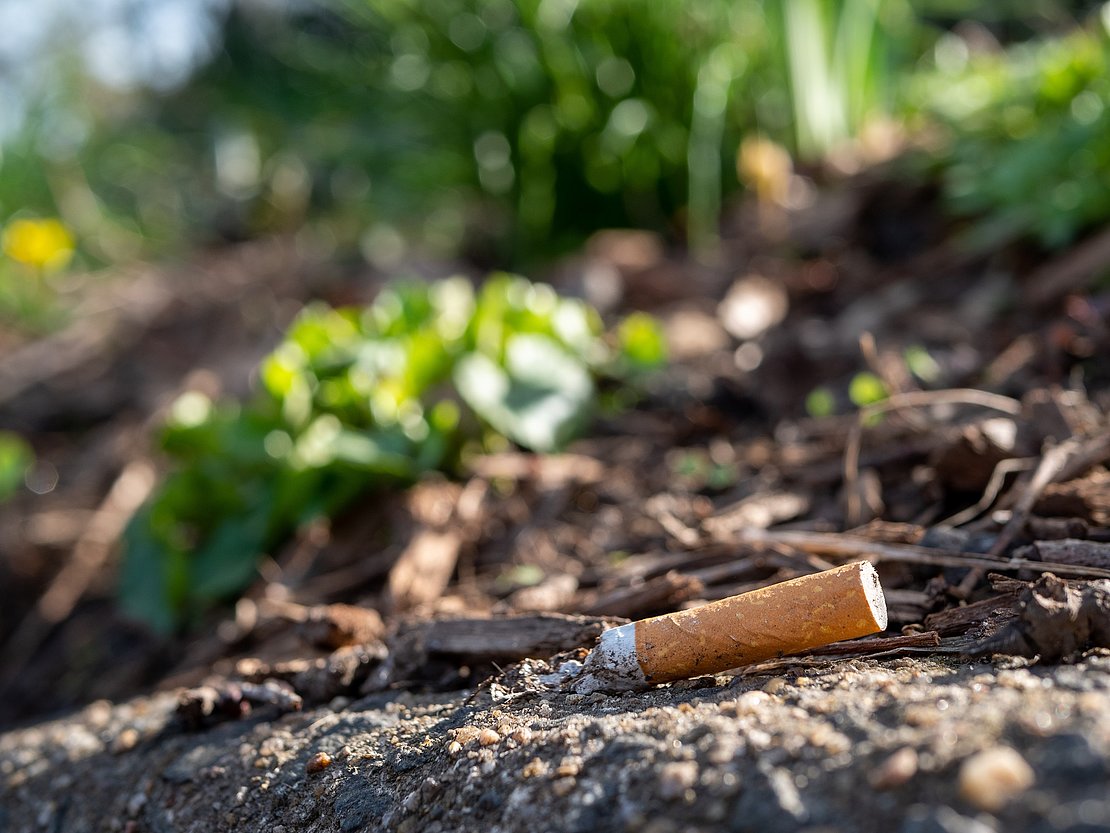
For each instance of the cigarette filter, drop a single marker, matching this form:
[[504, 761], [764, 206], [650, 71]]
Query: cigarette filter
[[785, 618]]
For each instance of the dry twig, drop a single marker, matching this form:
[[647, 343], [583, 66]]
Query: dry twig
[[912, 399], [849, 546]]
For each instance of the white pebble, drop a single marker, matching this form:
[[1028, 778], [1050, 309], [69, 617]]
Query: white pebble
[[990, 778]]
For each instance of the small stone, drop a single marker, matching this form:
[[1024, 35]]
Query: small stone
[[523, 735], [676, 778], [488, 737], [989, 779], [318, 763], [775, 685], [563, 786], [568, 768], [98, 713], [126, 740], [454, 748], [135, 804], [722, 750], [466, 734], [534, 768], [751, 703], [896, 770]]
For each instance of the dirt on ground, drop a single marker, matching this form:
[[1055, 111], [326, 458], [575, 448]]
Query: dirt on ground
[[908, 745]]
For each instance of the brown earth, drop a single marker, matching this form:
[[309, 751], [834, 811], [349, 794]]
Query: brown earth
[[906, 744]]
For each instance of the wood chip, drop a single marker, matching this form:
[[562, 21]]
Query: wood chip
[[1069, 551], [513, 637], [424, 569]]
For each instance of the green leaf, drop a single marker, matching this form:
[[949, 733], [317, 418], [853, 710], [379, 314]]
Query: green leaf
[[15, 457], [541, 399], [921, 364], [227, 563], [866, 389], [642, 343], [820, 402], [146, 581]]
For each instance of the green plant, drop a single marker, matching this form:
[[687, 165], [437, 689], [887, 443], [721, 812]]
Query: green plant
[[1028, 149], [33, 251], [357, 399], [15, 458], [504, 129], [839, 67]]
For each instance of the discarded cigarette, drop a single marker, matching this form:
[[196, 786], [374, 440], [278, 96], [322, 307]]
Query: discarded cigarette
[[785, 618]]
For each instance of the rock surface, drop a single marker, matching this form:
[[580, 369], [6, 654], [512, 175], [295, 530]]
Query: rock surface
[[850, 746]]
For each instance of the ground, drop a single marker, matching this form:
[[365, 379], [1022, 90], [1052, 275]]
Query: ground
[[909, 745]]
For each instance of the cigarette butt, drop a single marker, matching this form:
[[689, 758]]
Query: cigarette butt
[[785, 618]]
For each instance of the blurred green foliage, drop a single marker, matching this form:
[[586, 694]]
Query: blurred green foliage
[[503, 129], [356, 399], [865, 389], [506, 130], [1028, 147], [15, 458]]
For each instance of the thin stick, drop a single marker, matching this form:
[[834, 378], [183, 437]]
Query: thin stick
[[910, 399], [892, 372], [851, 547], [875, 644], [89, 554], [991, 492]]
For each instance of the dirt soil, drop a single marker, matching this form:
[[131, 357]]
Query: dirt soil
[[404, 640], [908, 745]]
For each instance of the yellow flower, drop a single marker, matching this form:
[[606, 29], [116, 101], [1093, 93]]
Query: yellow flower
[[43, 244]]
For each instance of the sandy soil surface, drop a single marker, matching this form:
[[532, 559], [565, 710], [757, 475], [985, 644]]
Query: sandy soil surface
[[909, 744]]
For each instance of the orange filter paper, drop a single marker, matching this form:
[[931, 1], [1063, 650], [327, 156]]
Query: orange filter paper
[[785, 618]]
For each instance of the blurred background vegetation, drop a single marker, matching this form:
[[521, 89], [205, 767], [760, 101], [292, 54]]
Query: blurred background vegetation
[[504, 131]]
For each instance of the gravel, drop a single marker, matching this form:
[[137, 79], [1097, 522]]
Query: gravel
[[906, 745]]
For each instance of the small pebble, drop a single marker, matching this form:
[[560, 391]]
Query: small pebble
[[563, 786], [774, 685], [135, 804], [318, 763], [896, 770], [722, 750], [534, 768], [751, 703], [126, 740], [98, 713], [989, 779], [676, 778], [488, 737], [568, 768], [466, 734]]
